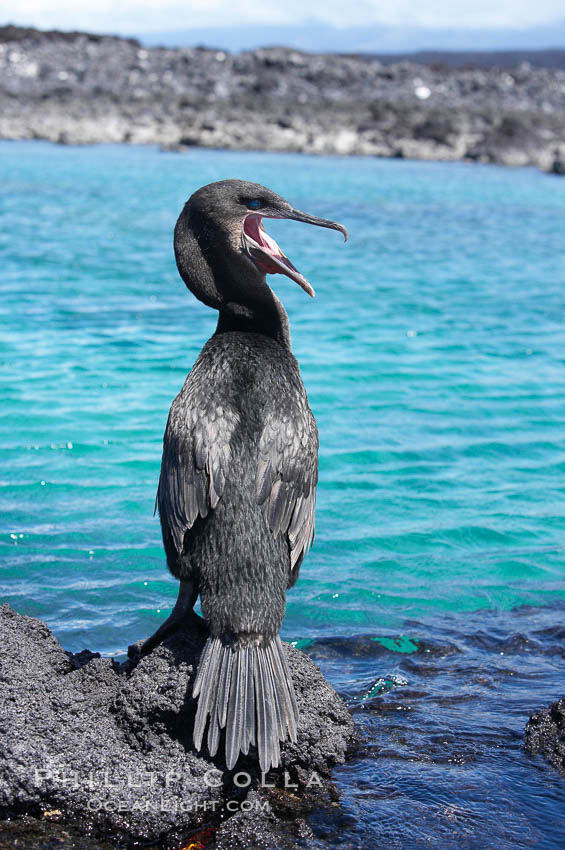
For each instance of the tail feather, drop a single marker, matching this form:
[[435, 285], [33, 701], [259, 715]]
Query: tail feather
[[213, 736], [224, 687], [236, 715], [248, 696], [266, 716], [206, 687], [279, 704], [274, 700], [289, 707], [247, 689], [286, 673], [202, 669], [250, 716], [219, 705]]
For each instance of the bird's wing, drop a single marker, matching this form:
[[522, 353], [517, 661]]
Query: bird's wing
[[196, 459], [287, 476]]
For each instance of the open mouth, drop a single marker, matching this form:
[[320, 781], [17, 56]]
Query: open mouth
[[266, 254]]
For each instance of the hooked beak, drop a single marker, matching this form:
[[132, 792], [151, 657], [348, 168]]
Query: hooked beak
[[264, 251]]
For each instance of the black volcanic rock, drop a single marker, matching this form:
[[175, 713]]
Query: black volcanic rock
[[558, 164], [80, 88], [107, 747], [545, 734]]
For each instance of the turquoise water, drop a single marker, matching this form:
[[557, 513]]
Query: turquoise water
[[433, 356]]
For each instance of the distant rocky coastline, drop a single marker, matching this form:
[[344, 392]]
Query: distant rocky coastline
[[76, 88]]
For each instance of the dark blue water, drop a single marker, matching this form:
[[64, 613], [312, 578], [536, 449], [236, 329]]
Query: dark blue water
[[443, 710], [434, 360]]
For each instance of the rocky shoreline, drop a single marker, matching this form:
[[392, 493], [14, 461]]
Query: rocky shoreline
[[97, 754], [76, 88], [105, 750]]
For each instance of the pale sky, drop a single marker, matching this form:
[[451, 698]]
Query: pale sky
[[135, 16]]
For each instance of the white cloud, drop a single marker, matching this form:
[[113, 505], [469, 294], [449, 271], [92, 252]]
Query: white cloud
[[131, 16]]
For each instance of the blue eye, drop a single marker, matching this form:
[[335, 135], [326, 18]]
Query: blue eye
[[254, 205]]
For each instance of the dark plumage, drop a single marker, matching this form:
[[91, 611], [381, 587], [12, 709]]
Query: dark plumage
[[237, 489]]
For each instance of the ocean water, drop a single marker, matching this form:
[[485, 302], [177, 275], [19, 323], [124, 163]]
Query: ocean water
[[434, 359]]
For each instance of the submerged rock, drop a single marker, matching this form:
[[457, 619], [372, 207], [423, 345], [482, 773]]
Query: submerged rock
[[545, 734], [108, 746]]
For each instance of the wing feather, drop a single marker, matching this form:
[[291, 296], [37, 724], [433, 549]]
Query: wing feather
[[287, 475], [196, 459]]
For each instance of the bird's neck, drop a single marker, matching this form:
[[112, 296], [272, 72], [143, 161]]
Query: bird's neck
[[267, 317]]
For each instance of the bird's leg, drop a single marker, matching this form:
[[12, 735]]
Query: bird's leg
[[179, 615]]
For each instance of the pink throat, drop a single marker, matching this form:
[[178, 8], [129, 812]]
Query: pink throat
[[254, 228]]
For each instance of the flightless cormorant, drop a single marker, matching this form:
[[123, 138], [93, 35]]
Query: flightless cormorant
[[238, 479]]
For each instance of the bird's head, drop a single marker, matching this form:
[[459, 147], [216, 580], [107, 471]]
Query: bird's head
[[226, 220]]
